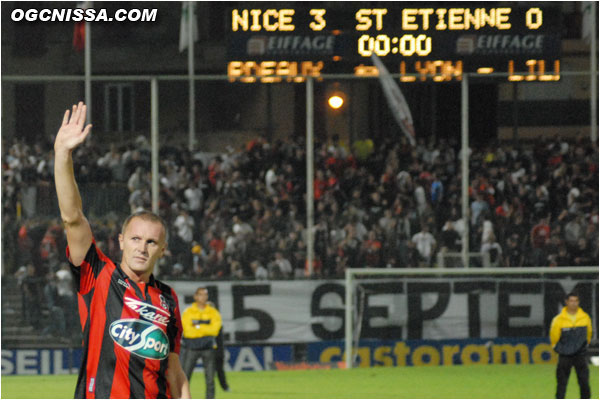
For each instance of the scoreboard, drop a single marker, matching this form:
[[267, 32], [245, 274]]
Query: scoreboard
[[436, 41]]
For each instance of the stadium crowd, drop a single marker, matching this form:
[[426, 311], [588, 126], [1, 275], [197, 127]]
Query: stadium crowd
[[241, 214]]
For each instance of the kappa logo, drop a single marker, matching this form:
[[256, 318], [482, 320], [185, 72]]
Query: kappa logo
[[148, 311], [163, 302], [123, 283], [141, 338]]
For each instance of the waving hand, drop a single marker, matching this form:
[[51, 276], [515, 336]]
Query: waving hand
[[72, 133]]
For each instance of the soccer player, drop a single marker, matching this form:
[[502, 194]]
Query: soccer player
[[201, 325], [130, 321], [570, 334]]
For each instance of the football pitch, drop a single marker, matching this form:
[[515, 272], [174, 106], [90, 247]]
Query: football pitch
[[486, 381]]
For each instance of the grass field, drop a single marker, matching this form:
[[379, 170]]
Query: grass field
[[488, 381]]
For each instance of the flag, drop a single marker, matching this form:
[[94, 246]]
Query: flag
[[586, 21], [79, 36], [395, 99], [183, 26], [79, 31]]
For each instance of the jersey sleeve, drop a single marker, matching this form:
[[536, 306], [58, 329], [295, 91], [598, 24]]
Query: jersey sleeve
[[86, 274], [175, 329], [213, 328], [589, 329], [554, 331], [186, 322]]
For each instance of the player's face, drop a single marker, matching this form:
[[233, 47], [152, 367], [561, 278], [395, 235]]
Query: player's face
[[572, 304], [201, 296], [143, 243]]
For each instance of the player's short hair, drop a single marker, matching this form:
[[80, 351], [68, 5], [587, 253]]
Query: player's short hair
[[572, 294], [147, 216], [200, 288]]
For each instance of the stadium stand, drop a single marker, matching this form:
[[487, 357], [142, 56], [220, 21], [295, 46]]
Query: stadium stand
[[533, 205]]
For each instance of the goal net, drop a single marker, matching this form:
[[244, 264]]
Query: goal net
[[392, 305]]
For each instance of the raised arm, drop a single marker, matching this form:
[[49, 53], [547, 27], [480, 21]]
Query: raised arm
[[70, 135]]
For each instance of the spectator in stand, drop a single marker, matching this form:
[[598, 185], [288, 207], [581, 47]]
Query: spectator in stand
[[236, 270], [437, 191], [298, 253], [216, 263], [514, 252], [271, 180], [420, 197], [425, 244], [540, 234], [515, 183], [375, 206], [240, 228], [49, 247], [503, 214], [360, 230], [449, 238], [583, 255], [572, 196], [56, 324], [409, 256], [450, 241], [112, 161], [66, 296], [260, 273], [25, 243], [387, 223], [519, 229], [329, 268], [494, 251], [280, 267], [371, 251], [139, 198], [194, 199], [477, 207], [350, 246], [574, 230], [31, 289], [486, 227], [198, 258], [562, 258], [137, 180], [182, 241]]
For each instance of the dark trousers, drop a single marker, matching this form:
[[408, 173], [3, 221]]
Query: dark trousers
[[563, 370], [220, 367], [188, 362]]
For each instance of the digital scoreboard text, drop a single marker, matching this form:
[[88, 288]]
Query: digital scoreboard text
[[419, 43]]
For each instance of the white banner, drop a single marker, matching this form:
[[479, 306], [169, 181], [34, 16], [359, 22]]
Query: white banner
[[395, 100], [407, 309]]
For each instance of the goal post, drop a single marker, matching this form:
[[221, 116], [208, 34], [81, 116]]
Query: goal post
[[351, 275]]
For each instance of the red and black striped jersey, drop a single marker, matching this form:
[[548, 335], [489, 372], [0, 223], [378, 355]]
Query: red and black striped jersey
[[129, 329]]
